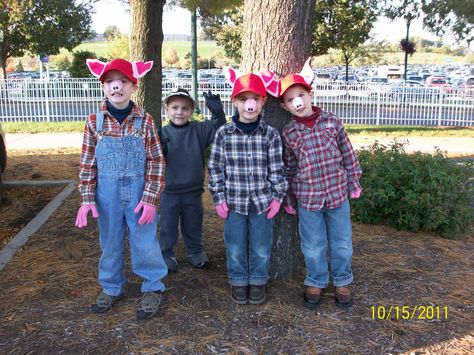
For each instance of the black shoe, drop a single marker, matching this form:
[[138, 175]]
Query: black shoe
[[199, 260], [171, 263], [257, 294], [104, 302], [239, 294]]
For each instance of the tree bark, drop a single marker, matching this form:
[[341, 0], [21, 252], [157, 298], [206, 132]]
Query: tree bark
[[277, 36], [146, 38]]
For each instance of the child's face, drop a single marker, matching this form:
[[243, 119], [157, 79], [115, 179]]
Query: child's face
[[249, 106], [298, 100], [118, 89], [179, 110]]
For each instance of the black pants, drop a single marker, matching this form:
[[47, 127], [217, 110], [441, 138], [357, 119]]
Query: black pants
[[185, 208]]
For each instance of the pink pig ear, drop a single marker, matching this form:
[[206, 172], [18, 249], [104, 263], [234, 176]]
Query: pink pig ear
[[231, 75], [307, 72], [141, 68], [96, 67], [271, 84]]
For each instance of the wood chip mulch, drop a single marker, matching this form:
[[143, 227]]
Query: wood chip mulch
[[48, 286]]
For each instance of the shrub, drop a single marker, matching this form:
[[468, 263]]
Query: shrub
[[415, 191]]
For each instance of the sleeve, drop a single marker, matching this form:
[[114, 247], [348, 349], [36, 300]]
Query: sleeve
[[290, 168], [211, 126], [349, 159], [88, 165], [275, 167], [154, 166], [216, 167]]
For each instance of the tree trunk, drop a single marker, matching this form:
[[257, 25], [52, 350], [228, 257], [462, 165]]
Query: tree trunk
[[277, 35], [146, 38]]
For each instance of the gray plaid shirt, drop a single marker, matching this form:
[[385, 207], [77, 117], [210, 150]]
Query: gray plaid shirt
[[246, 168]]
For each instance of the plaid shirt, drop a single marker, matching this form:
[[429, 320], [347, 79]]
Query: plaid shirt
[[320, 163], [246, 168], [155, 162]]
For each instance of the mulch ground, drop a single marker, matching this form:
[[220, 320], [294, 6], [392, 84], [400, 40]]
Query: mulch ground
[[48, 286]]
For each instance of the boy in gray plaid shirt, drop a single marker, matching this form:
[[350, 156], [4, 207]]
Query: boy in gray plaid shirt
[[247, 185]]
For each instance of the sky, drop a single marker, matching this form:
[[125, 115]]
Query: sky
[[178, 21]]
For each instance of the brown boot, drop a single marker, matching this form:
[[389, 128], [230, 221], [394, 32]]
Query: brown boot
[[312, 297], [342, 296]]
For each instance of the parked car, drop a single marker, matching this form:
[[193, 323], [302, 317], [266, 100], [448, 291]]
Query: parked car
[[3, 159], [414, 92], [439, 82], [467, 87]]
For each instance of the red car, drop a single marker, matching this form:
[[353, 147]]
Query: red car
[[439, 82]]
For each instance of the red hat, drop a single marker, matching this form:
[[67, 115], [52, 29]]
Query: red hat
[[248, 82], [132, 70], [290, 80]]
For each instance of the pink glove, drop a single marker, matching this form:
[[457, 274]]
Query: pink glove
[[290, 210], [148, 214], [356, 194], [222, 210], [273, 208], [81, 219]]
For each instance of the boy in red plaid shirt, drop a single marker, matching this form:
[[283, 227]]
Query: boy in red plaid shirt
[[322, 170]]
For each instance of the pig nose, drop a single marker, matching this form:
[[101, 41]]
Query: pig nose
[[116, 85], [297, 102], [250, 105]]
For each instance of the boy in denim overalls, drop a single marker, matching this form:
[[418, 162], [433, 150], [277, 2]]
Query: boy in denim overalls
[[121, 178]]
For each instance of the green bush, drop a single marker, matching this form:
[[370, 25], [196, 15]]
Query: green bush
[[415, 191]]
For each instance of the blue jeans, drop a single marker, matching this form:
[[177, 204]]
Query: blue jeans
[[252, 231], [120, 185], [317, 230]]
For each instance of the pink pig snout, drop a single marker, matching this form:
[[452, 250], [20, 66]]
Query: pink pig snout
[[297, 102], [250, 105], [116, 85]]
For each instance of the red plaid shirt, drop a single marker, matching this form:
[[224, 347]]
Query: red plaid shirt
[[320, 163], [155, 162]]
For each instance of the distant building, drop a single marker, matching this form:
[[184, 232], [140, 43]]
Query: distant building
[[176, 37]]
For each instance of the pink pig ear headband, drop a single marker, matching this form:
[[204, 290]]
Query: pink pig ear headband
[[256, 83], [132, 70], [278, 87]]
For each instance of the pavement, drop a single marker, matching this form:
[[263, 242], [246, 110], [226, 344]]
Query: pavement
[[452, 145]]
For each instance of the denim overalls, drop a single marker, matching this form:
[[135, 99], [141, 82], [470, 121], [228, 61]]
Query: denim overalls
[[120, 185]]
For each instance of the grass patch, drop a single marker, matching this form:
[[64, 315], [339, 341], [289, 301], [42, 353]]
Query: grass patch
[[362, 130], [418, 131], [43, 127]]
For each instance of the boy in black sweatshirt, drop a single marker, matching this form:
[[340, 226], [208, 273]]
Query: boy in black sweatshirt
[[184, 144]]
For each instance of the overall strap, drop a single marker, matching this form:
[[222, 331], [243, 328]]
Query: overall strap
[[137, 125], [99, 121]]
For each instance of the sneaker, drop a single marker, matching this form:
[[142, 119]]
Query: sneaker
[[342, 297], [198, 260], [239, 294], [312, 297], [104, 302], [171, 263], [257, 294], [149, 304]]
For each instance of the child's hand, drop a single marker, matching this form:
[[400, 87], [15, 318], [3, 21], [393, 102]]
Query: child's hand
[[273, 208], [213, 102], [148, 214], [222, 210], [356, 194], [81, 219], [290, 210]]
